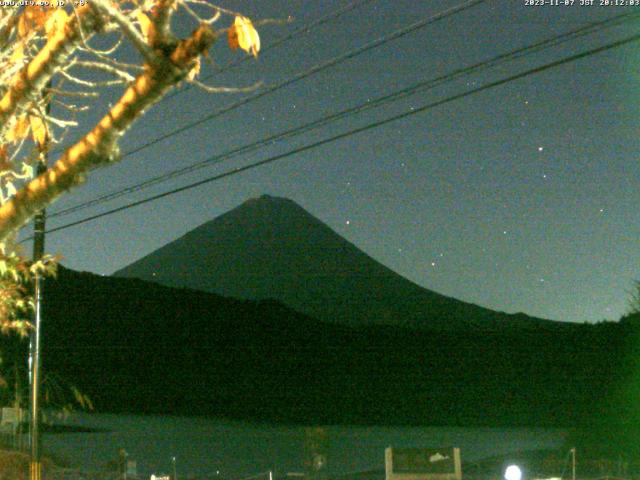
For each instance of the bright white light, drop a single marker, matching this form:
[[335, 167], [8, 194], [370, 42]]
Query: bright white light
[[513, 472]]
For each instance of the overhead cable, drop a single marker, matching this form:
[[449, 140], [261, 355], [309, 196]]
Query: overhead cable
[[370, 126], [370, 104]]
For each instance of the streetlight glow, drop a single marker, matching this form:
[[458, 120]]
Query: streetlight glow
[[513, 472]]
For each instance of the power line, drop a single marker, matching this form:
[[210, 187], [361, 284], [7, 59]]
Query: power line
[[279, 41], [318, 68], [547, 66], [313, 70], [395, 96]]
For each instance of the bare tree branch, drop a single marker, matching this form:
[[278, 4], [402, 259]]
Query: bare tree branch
[[99, 147], [212, 89], [127, 27], [89, 83], [35, 75], [161, 18], [105, 68]]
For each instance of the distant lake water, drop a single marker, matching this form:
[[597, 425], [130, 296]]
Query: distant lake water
[[236, 449]]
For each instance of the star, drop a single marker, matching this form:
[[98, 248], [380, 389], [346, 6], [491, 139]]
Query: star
[[348, 222], [540, 149]]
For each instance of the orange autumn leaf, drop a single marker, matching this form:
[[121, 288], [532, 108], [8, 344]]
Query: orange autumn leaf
[[18, 130], [33, 18], [242, 34], [23, 26], [39, 131], [232, 38], [4, 158]]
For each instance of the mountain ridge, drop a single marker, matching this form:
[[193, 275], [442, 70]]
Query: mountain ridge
[[270, 247]]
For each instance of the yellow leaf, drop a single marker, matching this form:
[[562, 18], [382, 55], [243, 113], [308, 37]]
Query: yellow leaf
[[242, 34], [11, 189], [195, 71], [18, 54], [39, 131], [147, 5], [23, 25], [56, 22], [146, 26], [18, 130]]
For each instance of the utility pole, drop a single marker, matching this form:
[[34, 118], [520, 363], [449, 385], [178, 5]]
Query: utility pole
[[35, 363], [123, 457], [573, 463], [35, 467]]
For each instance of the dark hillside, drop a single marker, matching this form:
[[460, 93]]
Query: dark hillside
[[135, 346]]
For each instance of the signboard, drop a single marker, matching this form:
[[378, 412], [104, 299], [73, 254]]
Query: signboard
[[11, 420], [12, 415], [423, 464], [131, 468]]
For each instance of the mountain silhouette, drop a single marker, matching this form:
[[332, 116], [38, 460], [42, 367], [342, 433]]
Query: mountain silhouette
[[271, 248]]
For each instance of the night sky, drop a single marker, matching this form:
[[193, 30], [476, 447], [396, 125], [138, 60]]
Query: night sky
[[521, 198]]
